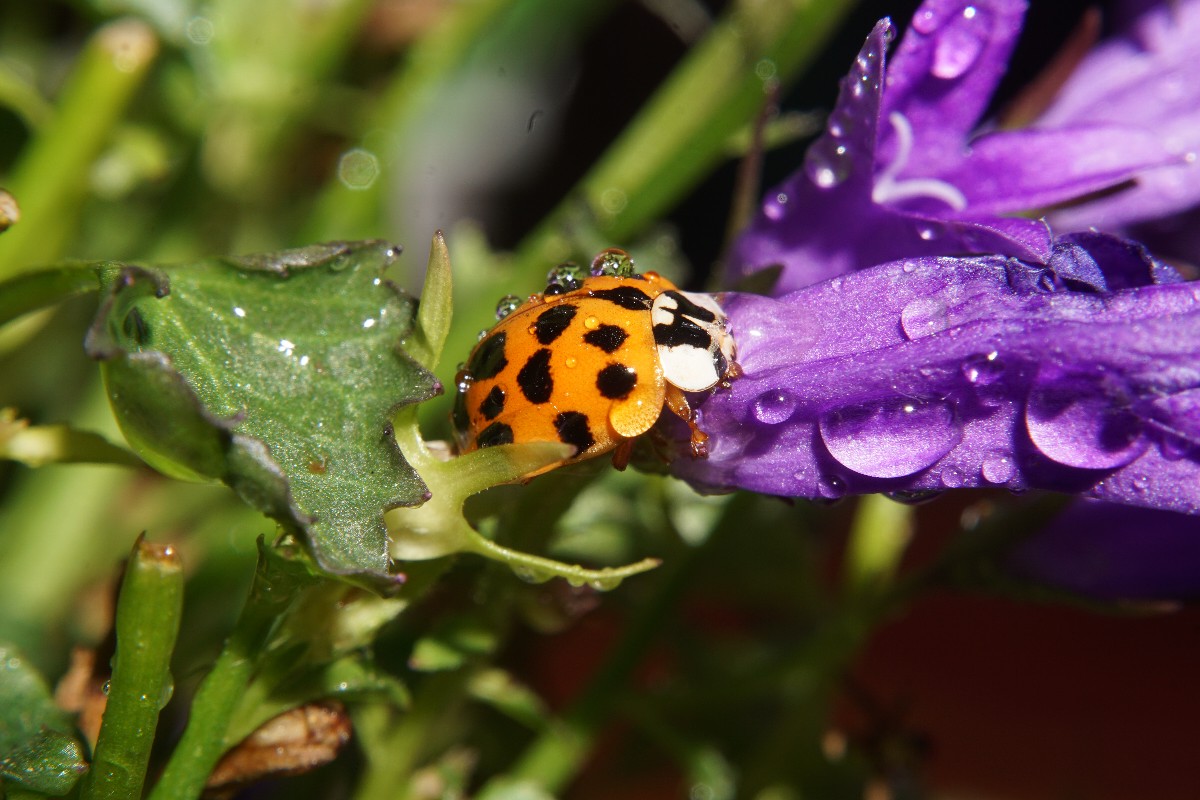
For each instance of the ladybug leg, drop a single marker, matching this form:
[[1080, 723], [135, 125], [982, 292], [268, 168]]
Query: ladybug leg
[[677, 402], [622, 454]]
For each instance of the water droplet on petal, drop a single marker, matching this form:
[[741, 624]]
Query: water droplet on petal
[[913, 497], [929, 232], [951, 477], [960, 44], [891, 438], [998, 467], [774, 407], [831, 487], [1075, 420], [924, 316], [983, 369], [925, 22], [506, 305], [827, 164], [774, 209]]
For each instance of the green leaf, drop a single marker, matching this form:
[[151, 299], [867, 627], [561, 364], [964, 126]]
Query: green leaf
[[38, 747], [276, 374]]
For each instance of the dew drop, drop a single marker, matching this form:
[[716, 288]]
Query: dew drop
[[612, 262], [983, 369], [570, 361], [463, 380], [998, 467], [825, 166], [569, 276], [507, 304], [604, 584], [591, 323], [924, 316], [913, 497], [891, 438], [929, 233], [1076, 421], [831, 487], [951, 477], [960, 44], [925, 22], [774, 407], [479, 337]]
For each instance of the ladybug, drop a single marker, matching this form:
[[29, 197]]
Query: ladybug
[[592, 362]]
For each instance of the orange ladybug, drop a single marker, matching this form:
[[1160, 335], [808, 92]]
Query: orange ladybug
[[592, 362]]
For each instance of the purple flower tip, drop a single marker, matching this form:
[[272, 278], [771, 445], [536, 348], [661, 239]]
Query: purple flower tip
[[905, 169], [1080, 375]]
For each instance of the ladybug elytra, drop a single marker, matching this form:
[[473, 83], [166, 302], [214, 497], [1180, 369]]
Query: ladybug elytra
[[592, 362]]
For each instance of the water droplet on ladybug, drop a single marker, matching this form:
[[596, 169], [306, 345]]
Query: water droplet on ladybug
[[591, 323], [507, 304], [569, 276]]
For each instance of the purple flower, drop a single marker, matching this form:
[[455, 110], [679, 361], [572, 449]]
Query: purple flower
[[903, 169], [1081, 375], [1145, 74]]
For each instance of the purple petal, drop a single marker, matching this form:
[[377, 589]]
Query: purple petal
[[1013, 171], [943, 74], [940, 373], [1115, 552], [1146, 77], [822, 221]]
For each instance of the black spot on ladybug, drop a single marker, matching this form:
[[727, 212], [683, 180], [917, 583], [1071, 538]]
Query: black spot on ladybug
[[493, 404], [682, 331], [690, 309], [534, 378], [616, 381], [458, 416], [573, 429], [494, 434], [607, 337], [629, 297], [488, 359], [552, 322]]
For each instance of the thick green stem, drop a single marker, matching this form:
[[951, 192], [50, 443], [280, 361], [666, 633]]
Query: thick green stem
[[148, 613], [205, 739]]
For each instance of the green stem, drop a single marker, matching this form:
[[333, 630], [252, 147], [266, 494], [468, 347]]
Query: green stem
[[51, 179], [148, 612], [205, 739], [684, 131], [882, 529]]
